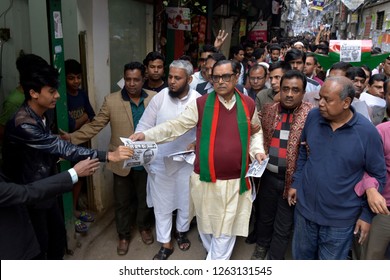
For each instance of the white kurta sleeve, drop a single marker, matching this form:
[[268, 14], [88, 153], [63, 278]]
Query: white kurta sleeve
[[149, 117], [256, 142], [170, 130]]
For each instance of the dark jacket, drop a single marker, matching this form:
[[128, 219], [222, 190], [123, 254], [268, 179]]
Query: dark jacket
[[17, 237], [331, 163], [30, 151]]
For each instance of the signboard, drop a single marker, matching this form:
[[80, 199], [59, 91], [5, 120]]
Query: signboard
[[354, 18], [179, 18], [242, 27], [350, 51], [258, 31]]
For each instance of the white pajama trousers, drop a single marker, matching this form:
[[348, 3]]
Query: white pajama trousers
[[164, 225], [218, 248]]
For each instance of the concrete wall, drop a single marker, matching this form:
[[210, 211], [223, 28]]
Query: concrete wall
[[39, 29], [374, 34], [93, 19], [17, 20], [70, 29], [127, 35], [27, 20]]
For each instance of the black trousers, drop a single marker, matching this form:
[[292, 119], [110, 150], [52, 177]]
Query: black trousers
[[274, 219], [130, 203], [50, 231]]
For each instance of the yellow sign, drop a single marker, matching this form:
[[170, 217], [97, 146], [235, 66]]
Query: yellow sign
[[242, 27]]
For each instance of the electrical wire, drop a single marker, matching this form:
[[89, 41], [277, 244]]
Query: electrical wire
[[11, 3]]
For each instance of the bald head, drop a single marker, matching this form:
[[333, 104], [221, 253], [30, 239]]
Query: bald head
[[341, 84], [336, 96]]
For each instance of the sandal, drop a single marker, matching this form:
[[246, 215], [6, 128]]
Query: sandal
[[80, 227], [86, 217], [163, 253], [182, 240]]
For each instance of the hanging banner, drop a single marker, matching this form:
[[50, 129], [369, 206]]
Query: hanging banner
[[318, 5], [275, 7], [352, 4], [179, 18]]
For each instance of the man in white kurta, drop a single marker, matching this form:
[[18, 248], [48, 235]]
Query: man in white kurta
[[168, 188], [221, 209]]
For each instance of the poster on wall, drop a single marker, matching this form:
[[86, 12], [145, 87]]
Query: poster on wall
[[179, 18], [386, 42], [57, 25], [258, 31], [367, 27], [198, 29]]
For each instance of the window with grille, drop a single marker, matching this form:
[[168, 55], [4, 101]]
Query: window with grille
[[379, 20]]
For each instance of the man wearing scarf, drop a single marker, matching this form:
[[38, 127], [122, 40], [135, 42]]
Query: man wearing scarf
[[219, 191]]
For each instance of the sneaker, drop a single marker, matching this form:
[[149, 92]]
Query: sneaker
[[80, 227], [259, 253]]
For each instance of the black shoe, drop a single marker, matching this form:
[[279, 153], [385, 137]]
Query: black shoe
[[260, 253], [251, 239]]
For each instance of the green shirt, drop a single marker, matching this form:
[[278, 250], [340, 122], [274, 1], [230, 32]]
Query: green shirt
[[136, 111], [11, 105]]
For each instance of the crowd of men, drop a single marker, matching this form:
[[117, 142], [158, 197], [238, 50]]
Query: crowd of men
[[326, 183]]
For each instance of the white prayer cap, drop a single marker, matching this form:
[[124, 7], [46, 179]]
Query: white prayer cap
[[264, 64], [298, 44]]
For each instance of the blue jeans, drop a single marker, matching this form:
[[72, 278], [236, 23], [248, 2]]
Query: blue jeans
[[312, 241]]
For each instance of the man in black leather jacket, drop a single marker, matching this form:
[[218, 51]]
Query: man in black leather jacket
[[30, 153]]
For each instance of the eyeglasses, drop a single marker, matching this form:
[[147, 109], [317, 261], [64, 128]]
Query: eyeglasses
[[225, 77], [253, 79]]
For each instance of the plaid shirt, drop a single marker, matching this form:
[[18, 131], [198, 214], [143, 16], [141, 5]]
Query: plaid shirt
[[271, 117], [278, 146]]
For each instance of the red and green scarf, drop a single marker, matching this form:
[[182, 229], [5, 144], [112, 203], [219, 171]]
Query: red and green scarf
[[207, 138]]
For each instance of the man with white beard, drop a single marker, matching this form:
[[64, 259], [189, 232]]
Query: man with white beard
[[168, 190]]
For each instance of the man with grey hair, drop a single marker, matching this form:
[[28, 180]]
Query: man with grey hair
[[220, 192], [339, 145], [168, 188]]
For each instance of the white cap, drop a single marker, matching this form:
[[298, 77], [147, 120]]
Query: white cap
[[264, 64], [299, 44]]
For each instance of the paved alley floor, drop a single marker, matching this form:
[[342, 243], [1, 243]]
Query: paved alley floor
[[101, 241]]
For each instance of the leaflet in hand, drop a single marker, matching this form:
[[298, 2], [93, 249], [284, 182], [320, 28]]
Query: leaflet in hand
[[188, 156], [256, 169], [144, 152]]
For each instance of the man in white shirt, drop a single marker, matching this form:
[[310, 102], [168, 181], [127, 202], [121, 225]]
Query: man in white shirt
[[168, 188], [200, 77]]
